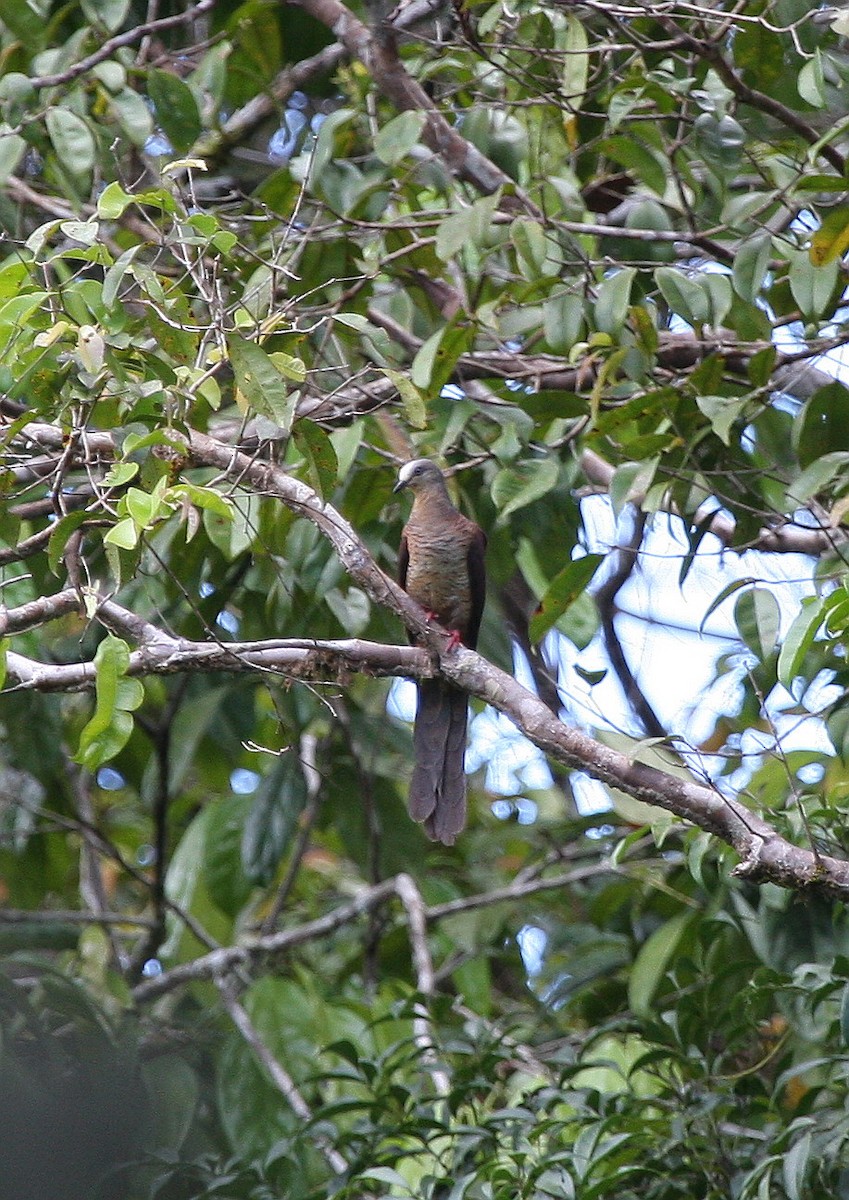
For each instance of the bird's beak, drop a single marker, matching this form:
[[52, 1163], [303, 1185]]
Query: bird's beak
[[399, 486]]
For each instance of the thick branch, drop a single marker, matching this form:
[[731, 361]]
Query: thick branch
[[765, 854]]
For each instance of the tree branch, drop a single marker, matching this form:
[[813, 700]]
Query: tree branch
[[765, 854], [380, 58]]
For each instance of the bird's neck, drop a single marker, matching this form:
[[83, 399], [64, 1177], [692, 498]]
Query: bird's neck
[[431, 505]]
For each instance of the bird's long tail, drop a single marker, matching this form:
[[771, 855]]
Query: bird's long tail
[[438, 788]]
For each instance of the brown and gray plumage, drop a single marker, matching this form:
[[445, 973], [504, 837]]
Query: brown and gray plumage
[[441, 565]]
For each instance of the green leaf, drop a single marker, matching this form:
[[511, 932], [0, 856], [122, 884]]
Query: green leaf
[[799, 639], [515, 487], [844, 1016], [722, 412], [831, 240], [758, 620], [822, 426], [563, 321], [684, 296], [107, 14], [289, 366], [813, 287], [110, 726], [413, 401], [176, 109], [115, 275], [260, 382], [317, 449], [471, 225], [727, 591], [59, 538], [72, 140], [395, 141], [810, 82], [613, 299], [421, 370], [634, 156], [435, 361], [124, 535], [275, 808], [12, 148], [794, 1167], [652, 960], [576, 63], [751, 263], [817, 476], [529, 242], [563, 591], [226, 881]]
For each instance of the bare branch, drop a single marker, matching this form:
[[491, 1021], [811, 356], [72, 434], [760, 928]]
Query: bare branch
[[128, 38]]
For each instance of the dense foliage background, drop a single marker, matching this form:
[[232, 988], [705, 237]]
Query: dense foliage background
[[590, 256]]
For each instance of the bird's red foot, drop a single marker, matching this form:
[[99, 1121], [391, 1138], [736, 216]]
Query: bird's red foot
[[455, 639]]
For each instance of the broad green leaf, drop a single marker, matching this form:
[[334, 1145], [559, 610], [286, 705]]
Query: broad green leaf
[[64, 528], [684, 295], [818, 475], [758, 620], [530, 243], [722, 412], [635, 156], [563, 321], [108, 14], [844, 1016], [822, 426], [435, 361], [576, 63], [810, 82], [320, 457], [226, 881], [751, 263], [471, 225], [176, 109], [12, 147], [795, 1165], [260, 382], [115, 275], [515, 487], [423, 364], [272, 818], [133, 114], [72, 140], [415, 408], [650, 965], [613, 299], [831, 240], [110, 726], [799, 639], [630, 482], [124, 534], [718, 288], [564, 589], [289, 366], [323, 151], [813, 287], [395, 140]]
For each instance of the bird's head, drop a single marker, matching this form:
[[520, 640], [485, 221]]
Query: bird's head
[[420, 475]]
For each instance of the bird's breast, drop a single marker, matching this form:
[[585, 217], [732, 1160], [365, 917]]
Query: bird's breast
[[438, 577]]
